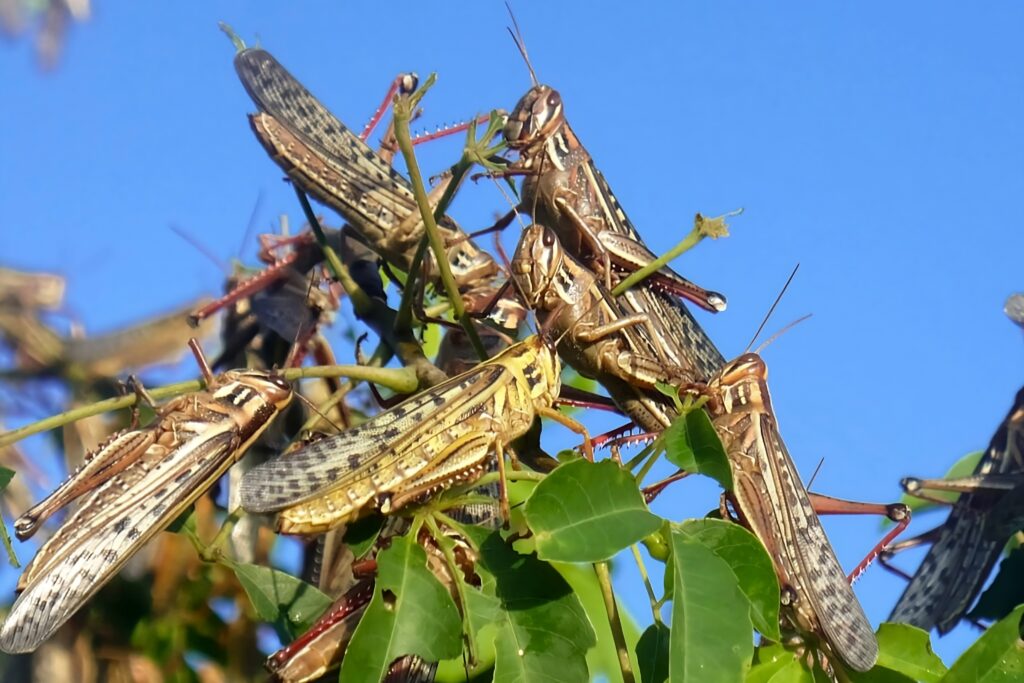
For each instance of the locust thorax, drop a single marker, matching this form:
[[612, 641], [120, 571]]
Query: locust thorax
[[543, 372], [535, 118]]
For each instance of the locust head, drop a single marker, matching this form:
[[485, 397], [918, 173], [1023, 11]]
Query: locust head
[[241, 386], [537, 260], [741, 385], [536, 117]]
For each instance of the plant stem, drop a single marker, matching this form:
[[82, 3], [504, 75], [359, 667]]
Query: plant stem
[[456, 575], [702, 227], [403, 109], [400, 380], [604, 579], [655, 607]]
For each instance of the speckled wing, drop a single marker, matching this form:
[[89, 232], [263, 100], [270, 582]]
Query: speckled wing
[[373, 451], [278, 93], [839, 613], [110, 525], [956, 566]]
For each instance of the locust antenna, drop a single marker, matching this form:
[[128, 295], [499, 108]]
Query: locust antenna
[[772, 309], [814, 476], [312, 406], [517, 36], [204, 365], [785, 329]]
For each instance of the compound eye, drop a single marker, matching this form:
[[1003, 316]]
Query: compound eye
[[548, 239], [280, 383], [554, 99]]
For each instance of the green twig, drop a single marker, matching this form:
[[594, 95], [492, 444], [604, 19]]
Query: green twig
[[702, 227], [376, 314], [604, 579], [360, 300], [75, 414], [456, 575], [655, 607], [401, 380], [404, 107], [213, 551]]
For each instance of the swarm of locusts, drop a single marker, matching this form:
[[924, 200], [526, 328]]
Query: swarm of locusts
[[440, 476]]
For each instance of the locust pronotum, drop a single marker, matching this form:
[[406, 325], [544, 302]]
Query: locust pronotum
[[965, 548], [437, 438], [131, 488], [769, 498]]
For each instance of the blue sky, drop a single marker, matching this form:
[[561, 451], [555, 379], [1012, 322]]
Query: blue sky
[[878, 145]]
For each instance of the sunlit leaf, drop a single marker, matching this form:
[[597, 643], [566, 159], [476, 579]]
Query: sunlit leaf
[[996, 657], [750, 564], [692, 444], [411, 612], [587, 512], [712, 635], [908, 650]]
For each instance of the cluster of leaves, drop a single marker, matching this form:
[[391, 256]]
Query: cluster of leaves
[[531, 616]]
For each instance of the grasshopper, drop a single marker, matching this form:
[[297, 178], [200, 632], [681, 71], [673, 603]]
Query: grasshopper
[[429, 442], [327, 160], [599, 339], [769, 498], [966, 547], [564, 190], [129, 489]]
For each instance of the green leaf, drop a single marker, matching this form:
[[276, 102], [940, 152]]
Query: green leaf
[[908, 650], [751, 565], [5, 478], [281, 598], [1005, 592], [411, 612], [587, 512], [786, 667], [362, 534], [692, 444], [776, 663], [712, 635], [652, 654], [6, 474], [995, 657], [544, 633]]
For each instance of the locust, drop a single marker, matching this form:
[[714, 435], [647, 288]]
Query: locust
[[563, 189], [989, 509], [427, 443], [129, 489], [769, 498], [331, 163], [598, 338]]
